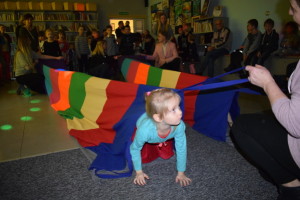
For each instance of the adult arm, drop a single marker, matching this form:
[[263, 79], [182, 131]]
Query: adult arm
[[38, 55], [286, 110]]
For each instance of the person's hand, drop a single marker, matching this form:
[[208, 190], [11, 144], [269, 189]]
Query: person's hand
[[182, 179], [258, 54], [245, 57], [59, 58], [210, 48], [259, 76], [140, 178], [161, 62]]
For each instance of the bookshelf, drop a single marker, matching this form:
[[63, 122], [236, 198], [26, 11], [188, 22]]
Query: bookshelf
[[69, 21], [203, 27]]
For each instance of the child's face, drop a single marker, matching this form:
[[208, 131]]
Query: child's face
[[174, 113], [161, 38], [109, 31], [81, 31], [49, 35], [2, 29], [95, 34], [41, 38], [61, 36]]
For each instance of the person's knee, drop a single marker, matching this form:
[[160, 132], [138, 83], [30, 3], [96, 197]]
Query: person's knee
[[239, 125]]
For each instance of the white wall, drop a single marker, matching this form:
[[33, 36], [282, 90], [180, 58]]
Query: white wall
[[240, 11]]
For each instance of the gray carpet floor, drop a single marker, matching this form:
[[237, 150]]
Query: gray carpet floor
[[218, 172]]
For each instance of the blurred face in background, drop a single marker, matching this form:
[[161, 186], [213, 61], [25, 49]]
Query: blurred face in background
[[2, 29], [295, 11], [28, 22], [161, 38], [268, 28], [49, 35], [95, 34], [80, 30], [109, 31], [219, 25]]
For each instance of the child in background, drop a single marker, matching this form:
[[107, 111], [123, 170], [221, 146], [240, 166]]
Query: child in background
[[192, 56], [5, 73], [63, 44], [82, 49], [72, 61], [161, 122], [111, 44], [95, 38], [51, 46], [41, 36]]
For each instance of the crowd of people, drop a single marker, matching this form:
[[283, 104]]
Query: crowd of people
[[166, 51]]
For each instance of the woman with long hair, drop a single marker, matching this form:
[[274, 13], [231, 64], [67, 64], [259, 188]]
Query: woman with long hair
[[24, 67]]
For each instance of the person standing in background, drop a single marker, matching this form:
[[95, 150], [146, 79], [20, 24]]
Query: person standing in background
[[30, 31], [82, 49]]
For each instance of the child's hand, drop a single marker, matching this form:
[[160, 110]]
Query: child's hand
[[140, 178], [182, 179], [59, 57]]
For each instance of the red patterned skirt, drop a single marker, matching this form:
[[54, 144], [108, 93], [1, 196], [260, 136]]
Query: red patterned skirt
[[152, 151]]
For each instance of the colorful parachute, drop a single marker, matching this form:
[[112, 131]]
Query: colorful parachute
[[101, 114]]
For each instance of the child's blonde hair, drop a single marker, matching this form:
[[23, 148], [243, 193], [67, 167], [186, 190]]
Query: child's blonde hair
[[157, 101], [99, 49]]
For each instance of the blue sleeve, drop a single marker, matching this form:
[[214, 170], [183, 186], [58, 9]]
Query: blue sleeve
[[180, 145], [135, 149]]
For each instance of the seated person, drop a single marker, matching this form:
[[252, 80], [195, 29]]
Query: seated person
[[183, 44], [220, 46], [290, 42], [165, 53], [148, 42], [268, 45], [248, 49]]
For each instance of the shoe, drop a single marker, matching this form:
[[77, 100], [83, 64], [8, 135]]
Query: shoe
[[289, 193], [26, 92]]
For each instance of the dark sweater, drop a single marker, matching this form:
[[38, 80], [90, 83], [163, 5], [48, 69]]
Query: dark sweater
[[52, 48]]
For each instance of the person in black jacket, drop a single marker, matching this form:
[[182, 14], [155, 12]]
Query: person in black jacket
[[29, 31], [127, 42], [98, 64], [268, 45]]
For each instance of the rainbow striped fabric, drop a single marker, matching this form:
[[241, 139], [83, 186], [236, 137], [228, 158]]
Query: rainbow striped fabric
[[101, 114]]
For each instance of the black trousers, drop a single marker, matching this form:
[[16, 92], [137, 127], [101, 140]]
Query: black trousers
[[263, 141], [173, 65], [83, 61], [33, 81]]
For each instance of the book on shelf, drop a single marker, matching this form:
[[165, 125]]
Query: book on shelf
[[7, 17], [203, 27]]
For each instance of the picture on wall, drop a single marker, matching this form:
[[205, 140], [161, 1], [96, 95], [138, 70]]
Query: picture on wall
[[205, 7], [178, 15], [187, 12], [196, 8]]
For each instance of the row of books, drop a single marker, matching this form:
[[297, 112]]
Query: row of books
[[203, 27], [74, 16], [7, 17]]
